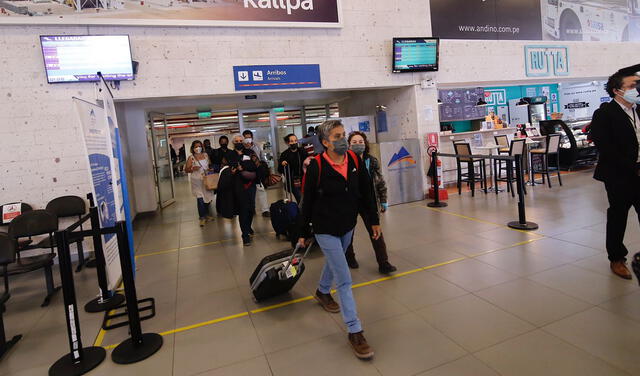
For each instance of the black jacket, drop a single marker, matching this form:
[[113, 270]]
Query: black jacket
[[295, 159], [225, 195], [614, 135], [331, 207]]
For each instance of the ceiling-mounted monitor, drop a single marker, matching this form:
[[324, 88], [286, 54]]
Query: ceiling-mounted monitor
[[415, 54], [78, 58]]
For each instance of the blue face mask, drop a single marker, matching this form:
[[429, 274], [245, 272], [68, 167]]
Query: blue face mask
[[632, 96]]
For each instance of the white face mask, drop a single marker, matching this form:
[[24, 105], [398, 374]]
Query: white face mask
[[197, 150], [248, 141], [632, 96]]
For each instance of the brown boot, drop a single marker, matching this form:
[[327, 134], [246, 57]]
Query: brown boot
[[620, 269], [360, 346], [327, 302]]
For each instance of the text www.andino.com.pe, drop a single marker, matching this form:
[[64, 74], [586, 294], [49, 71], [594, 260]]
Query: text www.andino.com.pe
[[490, 29]]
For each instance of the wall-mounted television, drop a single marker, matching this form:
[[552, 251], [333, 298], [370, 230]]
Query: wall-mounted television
[[415, 54], [78, 58]]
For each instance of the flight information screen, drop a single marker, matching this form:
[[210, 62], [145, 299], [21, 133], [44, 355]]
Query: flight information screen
[[415, 54], [78, 58]]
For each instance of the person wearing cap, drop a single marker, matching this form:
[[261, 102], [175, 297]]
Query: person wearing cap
[[615, 130]]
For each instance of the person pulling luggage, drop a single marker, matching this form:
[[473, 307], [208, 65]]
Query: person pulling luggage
[[293, 157], [335, 187], [359, 145]]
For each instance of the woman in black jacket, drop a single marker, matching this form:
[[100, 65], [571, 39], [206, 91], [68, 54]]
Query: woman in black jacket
[[336, 186], [359, 144], [290, 164]]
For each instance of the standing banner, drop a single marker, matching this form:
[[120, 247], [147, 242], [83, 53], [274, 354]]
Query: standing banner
[[402, 170], [122, 194], [103, 178]]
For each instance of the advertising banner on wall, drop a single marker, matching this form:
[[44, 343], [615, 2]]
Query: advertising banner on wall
[[104, 182], [580, 101], [402, 169], [596, 20], [285, 13], [461, 104]]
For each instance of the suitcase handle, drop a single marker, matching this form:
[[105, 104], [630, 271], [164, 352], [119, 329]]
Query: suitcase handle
[[295, 250]]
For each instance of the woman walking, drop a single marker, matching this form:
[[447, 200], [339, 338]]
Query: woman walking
[[359, 145], [197, 165], [335, 186]]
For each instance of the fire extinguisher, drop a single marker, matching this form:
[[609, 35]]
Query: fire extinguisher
[[441, 191]]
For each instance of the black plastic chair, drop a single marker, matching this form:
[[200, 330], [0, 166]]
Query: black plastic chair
[[7, 256], [28, 225], [70, 206], [471, 176]]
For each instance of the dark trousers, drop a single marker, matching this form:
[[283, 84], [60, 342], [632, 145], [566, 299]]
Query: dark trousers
[[622, 196], [379, 246], [247, 210], [203, 208], [295, 191]]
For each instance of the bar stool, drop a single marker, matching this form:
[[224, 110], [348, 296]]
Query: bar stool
[[551, 149], [503, 142], [471, 176], [517, 148]]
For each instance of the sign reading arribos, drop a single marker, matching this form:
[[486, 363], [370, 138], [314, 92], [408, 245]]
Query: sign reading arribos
[[546, 61], [273, 77]]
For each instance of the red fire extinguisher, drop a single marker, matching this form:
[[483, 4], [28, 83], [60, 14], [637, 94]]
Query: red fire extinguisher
[[441, 191]]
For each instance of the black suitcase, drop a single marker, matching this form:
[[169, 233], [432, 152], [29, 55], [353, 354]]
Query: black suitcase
[[277, 273], [284, 212]]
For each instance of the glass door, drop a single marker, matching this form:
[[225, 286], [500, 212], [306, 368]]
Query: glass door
[[259, 122], [162, 163]]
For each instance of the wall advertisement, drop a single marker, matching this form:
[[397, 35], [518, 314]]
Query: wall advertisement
[[597, 20], [253, 13], [402, 169]]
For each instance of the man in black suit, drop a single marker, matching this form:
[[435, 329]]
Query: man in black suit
[[615, 130]]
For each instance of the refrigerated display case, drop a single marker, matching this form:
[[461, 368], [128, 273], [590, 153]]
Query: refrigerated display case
[[575, 147]]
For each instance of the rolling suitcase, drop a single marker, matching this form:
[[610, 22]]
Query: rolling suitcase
[[284, 212], [277, 273]]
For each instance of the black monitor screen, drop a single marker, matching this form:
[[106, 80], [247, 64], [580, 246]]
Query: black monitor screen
[[415, 54]]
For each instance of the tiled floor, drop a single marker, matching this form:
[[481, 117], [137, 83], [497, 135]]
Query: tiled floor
[[471, 297]]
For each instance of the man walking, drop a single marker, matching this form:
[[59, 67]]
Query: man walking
[[615, 130], [262, 201]]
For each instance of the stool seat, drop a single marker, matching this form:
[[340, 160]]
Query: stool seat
[[503, 150], [538, 151]]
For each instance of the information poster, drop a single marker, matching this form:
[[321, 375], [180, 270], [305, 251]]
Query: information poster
[[103, 170], [402, 169], [10, 211], [461, 104]]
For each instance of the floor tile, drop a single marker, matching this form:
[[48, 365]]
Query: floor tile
[[538, 353], [420, 289], [473, 323], [519, 261], [604, 334], [215, 346], [373, 305], [533, 302], [467, 366], [327, 356], [626, 305], [473, 275], [253, 367], [160, 363], [192, 310], [584, 284], [406, 345]]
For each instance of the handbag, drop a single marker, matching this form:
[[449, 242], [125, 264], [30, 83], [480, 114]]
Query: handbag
[[210, 178]]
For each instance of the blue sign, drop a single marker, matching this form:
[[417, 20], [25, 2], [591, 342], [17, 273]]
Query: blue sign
[[546, 61], [274, 77], [363, 126]]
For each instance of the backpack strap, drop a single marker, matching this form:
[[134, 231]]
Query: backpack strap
[[318, 159]]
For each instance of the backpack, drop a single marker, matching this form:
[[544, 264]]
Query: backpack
[[318, 159]]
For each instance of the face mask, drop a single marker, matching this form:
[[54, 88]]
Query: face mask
[[248, 140], [238, 146], [632, 96], [358, 148], [198, 150], [340, 146], [293, 146], [224, 146]]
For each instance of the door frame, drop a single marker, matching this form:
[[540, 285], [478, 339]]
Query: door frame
[[150, 115]]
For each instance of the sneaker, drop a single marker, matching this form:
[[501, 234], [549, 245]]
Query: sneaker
[[266, 214], [360, 346], [246, 241], [202, 222], [210, 218], [352, 262], [327, 302], [252, 233], [386, 268]]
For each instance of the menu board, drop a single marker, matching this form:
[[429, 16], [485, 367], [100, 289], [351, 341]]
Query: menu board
[[460, 104]]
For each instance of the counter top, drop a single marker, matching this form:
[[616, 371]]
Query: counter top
[[510, 129]]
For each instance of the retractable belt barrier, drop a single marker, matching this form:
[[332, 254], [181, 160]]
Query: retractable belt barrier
[[521, 223], [139, 346]]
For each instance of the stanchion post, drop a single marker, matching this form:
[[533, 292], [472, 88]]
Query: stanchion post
[[522, 223], [436, 184], [79, 360], [140, 346], [107, 299]]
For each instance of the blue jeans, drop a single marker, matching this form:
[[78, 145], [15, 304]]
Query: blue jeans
[[203, 209], [335, 267]]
